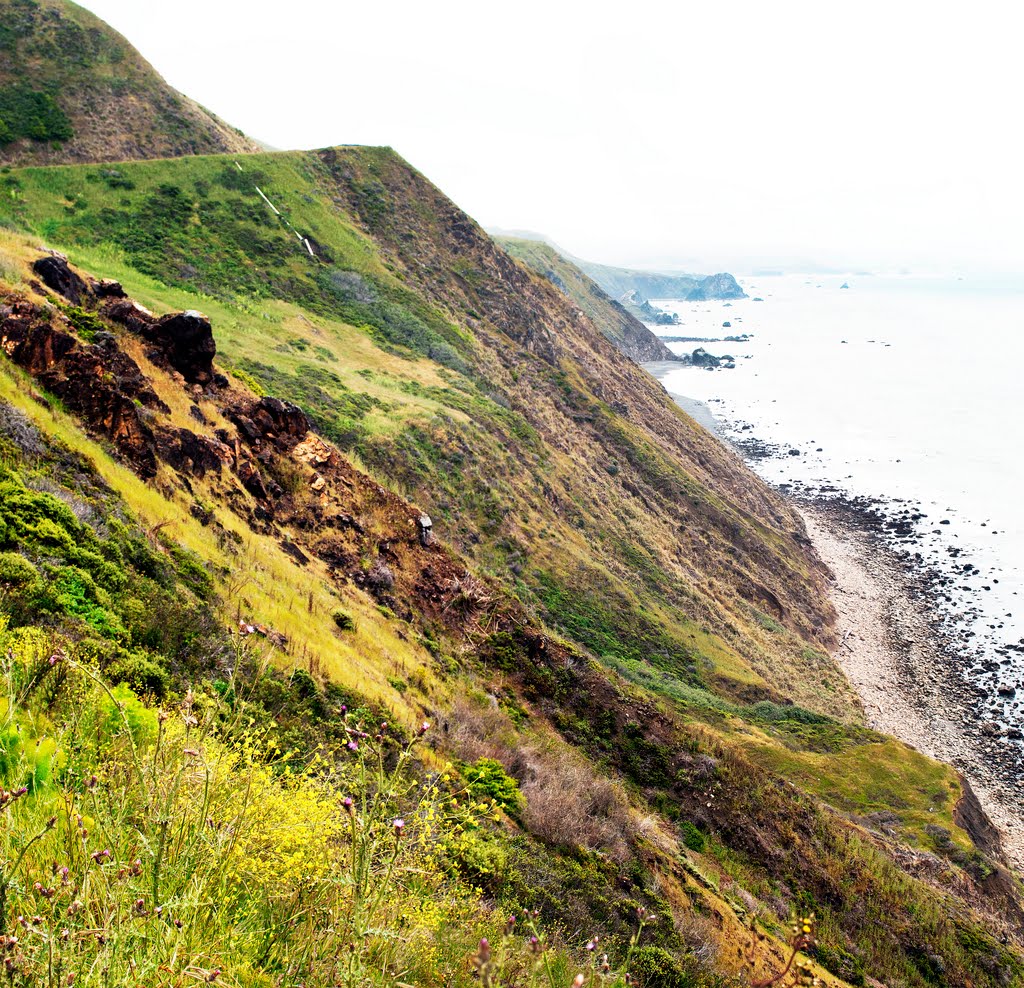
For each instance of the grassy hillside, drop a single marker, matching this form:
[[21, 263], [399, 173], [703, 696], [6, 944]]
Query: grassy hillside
[[609, 633], [72, 89], [560, 435], [630, 335]]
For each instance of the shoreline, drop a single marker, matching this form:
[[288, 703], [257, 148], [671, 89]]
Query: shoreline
[[904, 671], [699, 411], [913, 681]]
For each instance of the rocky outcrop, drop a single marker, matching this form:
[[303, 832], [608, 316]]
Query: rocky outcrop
[[55, 272], [272, 422], [181, 341], [192, 454], [185, 340], [716, 286], [107, 389], [97, 381], [281, 422]]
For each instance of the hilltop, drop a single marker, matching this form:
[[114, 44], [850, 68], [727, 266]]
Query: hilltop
[[72, 89]]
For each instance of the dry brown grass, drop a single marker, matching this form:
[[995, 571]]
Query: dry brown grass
[[568, 801]]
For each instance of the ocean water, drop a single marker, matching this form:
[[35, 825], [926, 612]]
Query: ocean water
[[895, 388]]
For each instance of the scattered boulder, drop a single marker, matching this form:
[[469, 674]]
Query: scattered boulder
[[185, 339], [426, 529], [108, 288], [55, 272]]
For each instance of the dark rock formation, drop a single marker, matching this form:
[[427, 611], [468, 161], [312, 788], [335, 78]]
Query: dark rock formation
[[56, 274], [701, 358], [181, 341], [186, 341]]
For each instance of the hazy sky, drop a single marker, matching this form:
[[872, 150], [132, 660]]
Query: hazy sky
[[704, 136]]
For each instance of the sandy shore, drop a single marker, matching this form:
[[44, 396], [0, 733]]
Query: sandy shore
[[697, 410], [908, 684]]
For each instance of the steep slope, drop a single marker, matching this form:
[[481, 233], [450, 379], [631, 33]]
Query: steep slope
[[329, 566], [658, 542], [636, 603], [630, 335], [72, 89]]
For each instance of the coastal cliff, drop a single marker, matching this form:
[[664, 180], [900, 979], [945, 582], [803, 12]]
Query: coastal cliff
[[651, 284], [332, 534]]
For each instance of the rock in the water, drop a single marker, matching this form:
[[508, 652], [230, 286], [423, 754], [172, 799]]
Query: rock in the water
[[701, 358]]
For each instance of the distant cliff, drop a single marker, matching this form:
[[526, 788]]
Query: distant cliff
[[618, 321], [716, 286], [658, 284]]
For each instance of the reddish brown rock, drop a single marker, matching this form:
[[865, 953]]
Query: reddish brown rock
[[271, 420], [99, 382]]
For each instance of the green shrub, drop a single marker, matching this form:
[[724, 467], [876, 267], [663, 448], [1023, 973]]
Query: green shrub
[[487, 778], [343, 621], [655, 967], [15, 571], [692, 837], [86, 324], [25, 112], [141, 673]]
